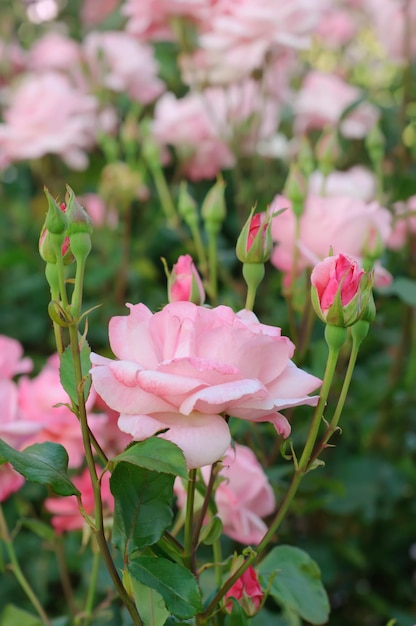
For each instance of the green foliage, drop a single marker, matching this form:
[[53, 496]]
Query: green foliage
[[67, 373], [13, 616], [176, 584], [44, 463], [156, 455], [296, 583], [142, 506]]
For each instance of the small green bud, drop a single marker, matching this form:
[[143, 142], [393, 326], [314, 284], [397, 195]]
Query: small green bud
[[375, 144], [56, 221], [187, 207], [78, 219], [296, 189], [213, 209]]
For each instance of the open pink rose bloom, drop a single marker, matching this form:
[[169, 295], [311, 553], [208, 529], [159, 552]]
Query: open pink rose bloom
[[179, 371]]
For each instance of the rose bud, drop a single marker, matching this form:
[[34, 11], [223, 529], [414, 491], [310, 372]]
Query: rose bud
[[342, 291], [254, 244], [247, 591], [184, 282]]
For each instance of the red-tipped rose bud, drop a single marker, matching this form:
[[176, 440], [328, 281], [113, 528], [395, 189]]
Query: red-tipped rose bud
[[254, 244], [342, 291], [247, 591], [52, 236]]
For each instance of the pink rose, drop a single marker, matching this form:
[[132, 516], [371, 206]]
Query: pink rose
[[404, 223], [99, 213], [243, 496], [89, 14], [151, 19], [247, 591], [185, 283], [54, 51], [12, 361], [120, 63], [38, 398], [14, 428], [333, 274], [47, 114], [347, 225], [180, 369], [322, 100], [65, 511], [357, 182], [10, 481]]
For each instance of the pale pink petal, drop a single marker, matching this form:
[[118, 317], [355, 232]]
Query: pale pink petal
[[220, 397]]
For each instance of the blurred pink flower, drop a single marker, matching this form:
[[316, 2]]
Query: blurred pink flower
[[388, 19], [14, 428], [348, 225], [357, 182], [47, 114], [404, 223], [38, 398], [202, 126], [65, 511], [12, 61], [89, 14], [99, 213], [10, 481], [337, 27], [152, 19], [12, 361], [243, 496], [238, 35], [322, 100], [55, 51], [180, 369], [120, 63]]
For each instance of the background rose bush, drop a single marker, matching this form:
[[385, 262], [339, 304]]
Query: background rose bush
[[233, 88]]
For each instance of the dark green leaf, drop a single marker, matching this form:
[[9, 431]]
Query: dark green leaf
[[67, 373], [44, 463], [142, 506], [176, 585], [157, 455], [297, 583]]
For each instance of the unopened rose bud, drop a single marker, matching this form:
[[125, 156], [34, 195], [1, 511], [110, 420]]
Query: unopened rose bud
[[79, 227], [342, 291], [184, 283], [187, 207], [296, 189], [53, 234], [213, 209], [254, 244], [247, 591]]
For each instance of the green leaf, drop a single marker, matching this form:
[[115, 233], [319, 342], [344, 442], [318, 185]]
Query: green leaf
[[142, 506], [67, 373], [13, 616], [44, 463], [237, 616], [157, 455], [403, 288], [150, 604], [177, 585], [297, 583]]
